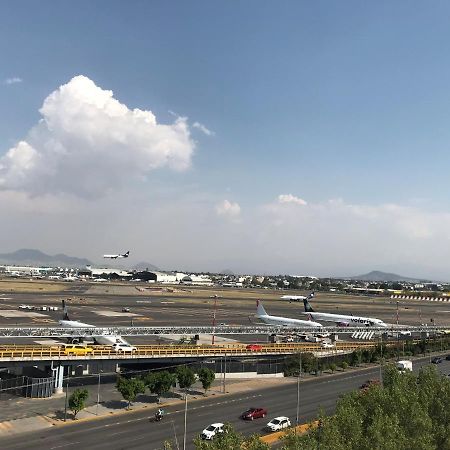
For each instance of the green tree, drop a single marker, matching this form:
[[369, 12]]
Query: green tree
[[129, 388], [185, 376], [409, 412], [206, 377], [160, 383], [77, 401]]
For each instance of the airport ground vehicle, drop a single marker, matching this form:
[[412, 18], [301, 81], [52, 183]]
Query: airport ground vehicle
[[209, 432], [404, 366], [254, 413], [278, 423], [77, 349], [125, 309], [254, 347], [123, 348], [437, 360]]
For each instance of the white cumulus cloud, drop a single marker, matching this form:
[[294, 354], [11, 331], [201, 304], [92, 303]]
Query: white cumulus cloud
[[89, 144], [289, 198], [13, 80], [228, 209], [203, 129]]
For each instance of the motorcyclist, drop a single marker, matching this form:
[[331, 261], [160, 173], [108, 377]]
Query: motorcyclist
[[159, 414]]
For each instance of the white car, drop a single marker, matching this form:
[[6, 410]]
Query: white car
[[327, 345], [278, 423], [123, 348], [209, 432]]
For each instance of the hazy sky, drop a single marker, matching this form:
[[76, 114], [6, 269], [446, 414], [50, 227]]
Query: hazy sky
[[267, 137]]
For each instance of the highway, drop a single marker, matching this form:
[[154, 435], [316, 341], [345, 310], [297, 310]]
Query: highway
[[135, 431]]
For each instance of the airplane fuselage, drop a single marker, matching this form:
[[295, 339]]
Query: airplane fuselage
[[343, 319], [102, 340], [286, 322]]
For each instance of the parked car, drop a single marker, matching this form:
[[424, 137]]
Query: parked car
[[125, 309], [209, 432], [254, 347], [437, 360], [278, 423], [254, 413]]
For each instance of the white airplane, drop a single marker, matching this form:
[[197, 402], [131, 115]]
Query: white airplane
[[297, 298], [342, 320], [261, 314], [102, 340], [125, 255]]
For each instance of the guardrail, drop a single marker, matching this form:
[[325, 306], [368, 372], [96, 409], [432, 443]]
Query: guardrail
[[12, 352]]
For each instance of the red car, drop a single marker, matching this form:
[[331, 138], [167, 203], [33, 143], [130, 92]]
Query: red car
[[254, 347], [254, 413]]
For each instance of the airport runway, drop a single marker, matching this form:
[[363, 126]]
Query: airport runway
[[156, 306], [135, 431]]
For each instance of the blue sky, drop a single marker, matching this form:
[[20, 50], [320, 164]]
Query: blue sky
[[326, 101]]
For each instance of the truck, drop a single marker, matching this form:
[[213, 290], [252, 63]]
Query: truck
[[404, 366]]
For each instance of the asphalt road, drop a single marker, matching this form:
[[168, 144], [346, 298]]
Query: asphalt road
[[136, 431]]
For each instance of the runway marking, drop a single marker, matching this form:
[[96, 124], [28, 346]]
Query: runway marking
[[167, 303], [115, 314]]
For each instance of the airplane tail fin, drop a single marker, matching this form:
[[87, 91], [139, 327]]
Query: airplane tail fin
[[65, 312], [260, 311], [127, 254], [308, 307]]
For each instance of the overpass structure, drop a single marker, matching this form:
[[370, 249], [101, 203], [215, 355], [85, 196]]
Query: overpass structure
[[192, 330], [57, 353]]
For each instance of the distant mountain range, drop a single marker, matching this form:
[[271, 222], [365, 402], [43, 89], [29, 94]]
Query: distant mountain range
[[376, 275], [145, 265], [32, 257]]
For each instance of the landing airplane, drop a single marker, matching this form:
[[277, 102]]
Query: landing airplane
[[125, 255], [262, 315], [297, 298], [342, 320], [102, 340]]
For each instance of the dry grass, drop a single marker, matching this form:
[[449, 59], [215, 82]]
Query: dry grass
[[19, 286]]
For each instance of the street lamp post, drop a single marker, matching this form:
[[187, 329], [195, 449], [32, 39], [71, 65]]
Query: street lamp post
[[98, 390], [297, 418], [67, 393], [185, 419]]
